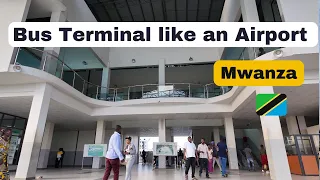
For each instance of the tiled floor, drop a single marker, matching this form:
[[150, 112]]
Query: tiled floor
[[146, 173]]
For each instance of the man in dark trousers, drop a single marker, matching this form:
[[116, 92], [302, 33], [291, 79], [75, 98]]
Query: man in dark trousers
[[190, 155]]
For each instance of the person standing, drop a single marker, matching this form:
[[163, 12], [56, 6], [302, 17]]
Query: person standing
[[264, 159], [144, 157], [114, 155], [180, 157], [222, 153], [130, 153], [210, 161], [190, 155], [203, 157], [249, 158], [215, 157]]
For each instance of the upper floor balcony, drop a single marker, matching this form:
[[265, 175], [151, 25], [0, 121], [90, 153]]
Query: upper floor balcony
[[58, 66]]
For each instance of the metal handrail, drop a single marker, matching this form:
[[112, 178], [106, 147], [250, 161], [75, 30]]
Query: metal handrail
[[45, 55]]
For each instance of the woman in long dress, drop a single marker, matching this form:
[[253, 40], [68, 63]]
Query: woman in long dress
[[130, 153], [5, 135], [210, 163]]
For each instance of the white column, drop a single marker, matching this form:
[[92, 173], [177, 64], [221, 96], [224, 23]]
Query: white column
[[99, 139], [11, 11], [162, 72], [27, 165], [308, 10], [273, 138], [302, 125], [105, 81], [216, 135], [231, 143], [249, 14], [49, 62], [292, 125], [46, 146], [162, 138]]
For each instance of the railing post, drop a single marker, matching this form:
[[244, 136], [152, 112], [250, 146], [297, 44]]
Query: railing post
[[129, 93], [74, 78], [189, 90], [45, 61], [204, 91], [115, 94], [16, 57], [62, 71], [83, 87], [142, 92], [97, 92]]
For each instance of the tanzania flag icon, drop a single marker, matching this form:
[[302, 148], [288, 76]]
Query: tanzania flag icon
[[271, 104]]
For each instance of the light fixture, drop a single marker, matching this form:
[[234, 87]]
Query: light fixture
[[17, 67], [278, 53], [84, 63], [190, 59], [133, 61]]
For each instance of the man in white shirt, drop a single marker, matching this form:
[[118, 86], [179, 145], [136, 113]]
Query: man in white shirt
[[203, 157], [114, 155], [190, 156]]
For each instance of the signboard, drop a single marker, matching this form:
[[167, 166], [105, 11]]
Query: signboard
[[165, 149], [95, 150]]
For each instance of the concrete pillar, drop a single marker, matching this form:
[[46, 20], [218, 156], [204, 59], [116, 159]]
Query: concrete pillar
[[12, 11], [231, 143], [162, 138], [46, 146], [30, 151], [292, 125], [250, 14], [216, 135], [302, 125], [49, 61], [105, 82], [162, 72], [308, 11], [273, 138], [99, 139]]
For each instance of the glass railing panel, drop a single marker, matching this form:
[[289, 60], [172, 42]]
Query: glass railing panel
[[149, 91], [135, 92], [197, 91], [26, 58], [179, 90], [213, 90], [91, 90], [122, 94]]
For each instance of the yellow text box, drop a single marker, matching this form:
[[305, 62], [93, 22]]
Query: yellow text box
[[258, 73]]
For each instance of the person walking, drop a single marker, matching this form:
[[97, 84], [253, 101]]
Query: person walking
[[203, 157], [130, 154], [180, 157], [114, 155], [222, 153], [248, 153], [210, 161], [144, 157], [215, 157], [264, 159], [190, 155]]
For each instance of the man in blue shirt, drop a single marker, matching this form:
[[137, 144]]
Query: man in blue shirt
[[223, 153], [114, 155]]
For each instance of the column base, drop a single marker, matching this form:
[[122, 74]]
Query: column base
[[28, 178]]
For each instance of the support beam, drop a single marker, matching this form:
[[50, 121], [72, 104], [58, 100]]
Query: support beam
[[99, 139], [273, 138], [231, 143], [162, 72], [30, 150], [46, 146], [162, 138]]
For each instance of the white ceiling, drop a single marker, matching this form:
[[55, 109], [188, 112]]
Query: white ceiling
[[43, 8]]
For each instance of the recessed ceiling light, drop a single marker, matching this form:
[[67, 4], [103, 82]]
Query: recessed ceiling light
[[278, 53], [133, 61], [84, 63], [190, 59]]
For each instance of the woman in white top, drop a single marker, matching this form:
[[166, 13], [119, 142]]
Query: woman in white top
[[130, 152]]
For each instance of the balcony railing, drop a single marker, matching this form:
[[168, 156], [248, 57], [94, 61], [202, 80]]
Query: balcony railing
[[245, 53], [50, 63]]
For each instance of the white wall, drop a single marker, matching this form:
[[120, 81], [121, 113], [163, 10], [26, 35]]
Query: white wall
[[299, 11], [122, 57]]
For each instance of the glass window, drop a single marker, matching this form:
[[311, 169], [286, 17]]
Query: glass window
[[7, 121], [20, 123]]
